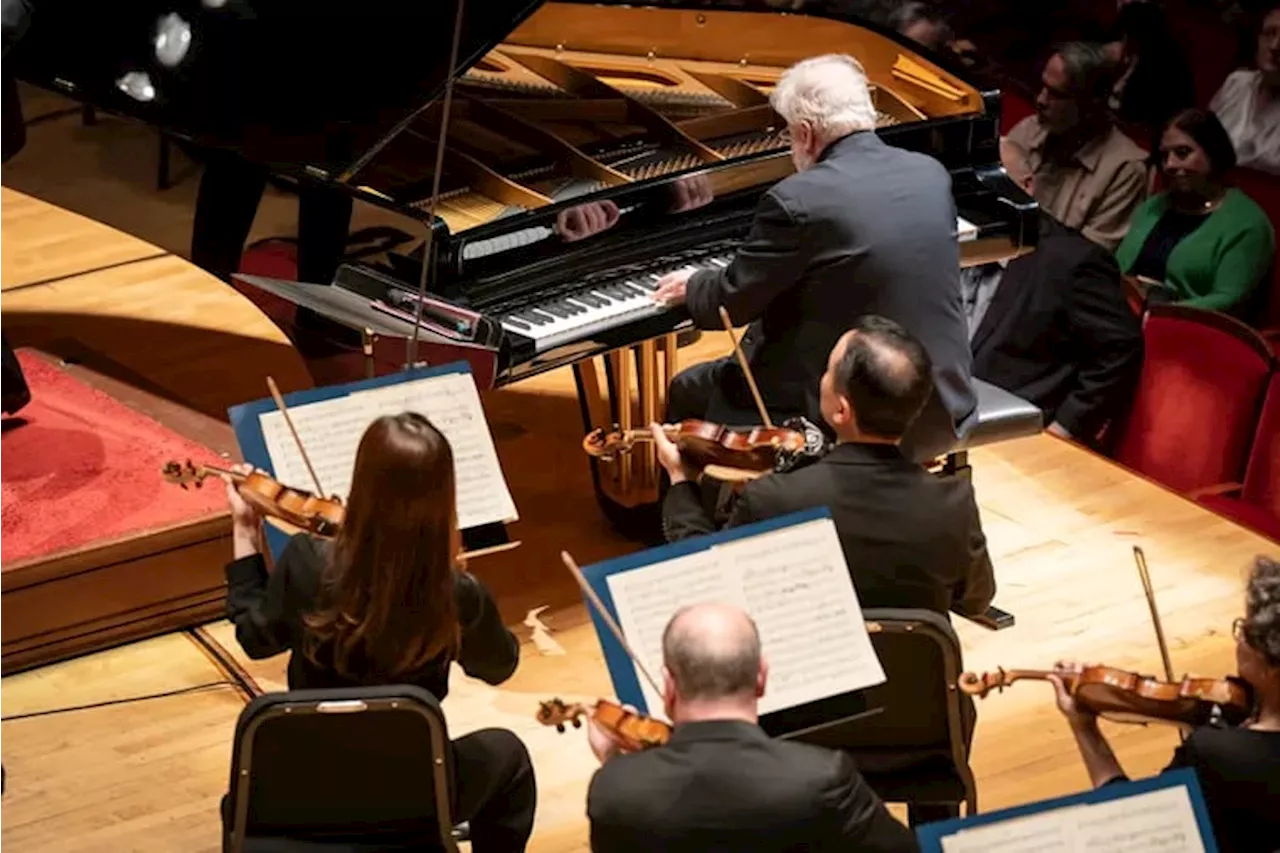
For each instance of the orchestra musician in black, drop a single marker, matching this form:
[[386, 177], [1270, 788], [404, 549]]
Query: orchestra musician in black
[[1238, 767], [910, 538], [386, 603], [861, 228], [720, 782]]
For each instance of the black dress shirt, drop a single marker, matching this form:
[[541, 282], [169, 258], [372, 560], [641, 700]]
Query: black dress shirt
[[724, 785], [267, 610], [1239, 773]]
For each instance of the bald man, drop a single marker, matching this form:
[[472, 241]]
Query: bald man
[[910, 539], [721, 783]]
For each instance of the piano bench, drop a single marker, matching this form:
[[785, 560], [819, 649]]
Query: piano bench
[[1001, 416]]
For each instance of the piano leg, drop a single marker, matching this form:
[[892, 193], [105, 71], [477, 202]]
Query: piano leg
[[628, 387]]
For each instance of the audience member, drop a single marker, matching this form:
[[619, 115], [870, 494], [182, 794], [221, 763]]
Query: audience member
[[384, 603], [1088, 174], [923, 23], [1155, 79], [1055, 328], [1208, 244], [720, 782], [1238, 768], [910, 538], [1248, 104]]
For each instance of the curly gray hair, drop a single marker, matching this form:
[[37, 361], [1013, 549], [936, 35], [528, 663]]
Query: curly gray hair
[[1261, 625]]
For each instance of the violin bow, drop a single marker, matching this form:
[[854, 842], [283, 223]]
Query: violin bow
[[608, 619], [746, 368], [1141, 559], [284, 412]]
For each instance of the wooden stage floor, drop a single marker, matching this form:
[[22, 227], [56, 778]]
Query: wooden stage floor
[[148, 775]]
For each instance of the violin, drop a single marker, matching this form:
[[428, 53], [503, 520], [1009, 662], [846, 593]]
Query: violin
[[635, 732], [752, 449], [318, 516], [1129, 697]]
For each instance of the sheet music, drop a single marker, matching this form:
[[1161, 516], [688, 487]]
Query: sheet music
[[794, 584], [1162, 820], [331, 431]]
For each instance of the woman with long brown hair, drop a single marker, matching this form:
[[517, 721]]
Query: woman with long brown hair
[[386, 603]]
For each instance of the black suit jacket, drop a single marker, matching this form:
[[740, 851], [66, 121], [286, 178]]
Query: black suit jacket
[[869, 229], [727, 786], [910, 538], [1060, 333]]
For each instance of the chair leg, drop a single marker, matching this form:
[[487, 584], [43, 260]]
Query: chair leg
[[921, 813]]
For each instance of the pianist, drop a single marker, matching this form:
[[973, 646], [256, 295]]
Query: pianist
[[862, 227]]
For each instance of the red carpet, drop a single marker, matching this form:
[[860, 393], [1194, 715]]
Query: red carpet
[[85, 469]]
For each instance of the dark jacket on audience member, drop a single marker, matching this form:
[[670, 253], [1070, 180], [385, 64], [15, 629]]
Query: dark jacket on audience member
[[910, 538], [267, 610], [1060, 333], [724, 785]]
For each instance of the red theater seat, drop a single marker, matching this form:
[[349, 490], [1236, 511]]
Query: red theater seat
[[276, 257], [1196, 406], [1258, 502]]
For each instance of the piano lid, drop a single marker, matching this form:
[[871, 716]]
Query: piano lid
[[295, 84], [554, 100]]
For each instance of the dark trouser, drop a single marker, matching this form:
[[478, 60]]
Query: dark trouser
[[713, 391], [494, 790], [227, 203]]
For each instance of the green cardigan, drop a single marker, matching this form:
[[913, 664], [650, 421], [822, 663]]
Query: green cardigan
[[1218, 265]]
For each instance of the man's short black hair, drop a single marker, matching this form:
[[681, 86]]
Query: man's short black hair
[[886, 374]]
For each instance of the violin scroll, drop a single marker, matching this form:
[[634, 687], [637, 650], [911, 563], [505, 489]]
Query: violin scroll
[[607, 446], [180, 474], [557, 712], [980, 685]]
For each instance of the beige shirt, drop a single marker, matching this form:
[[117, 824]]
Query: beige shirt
[[1096, 191]]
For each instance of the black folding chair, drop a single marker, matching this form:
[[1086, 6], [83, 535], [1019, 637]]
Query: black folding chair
[[916, 750], [356, 769]]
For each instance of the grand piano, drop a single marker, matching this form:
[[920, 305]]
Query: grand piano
[[533, 120]]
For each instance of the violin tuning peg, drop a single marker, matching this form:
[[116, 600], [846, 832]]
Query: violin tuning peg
[[560, 728], [577, 722]]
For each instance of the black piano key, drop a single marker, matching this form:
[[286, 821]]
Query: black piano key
[[578, 302], [630, 289], [649, 283], [590, 299], [551, 308], [517, 322], [537, 317]]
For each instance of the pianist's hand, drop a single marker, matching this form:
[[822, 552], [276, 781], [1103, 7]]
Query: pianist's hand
[[671, 287], [580, 222], [669, 457]]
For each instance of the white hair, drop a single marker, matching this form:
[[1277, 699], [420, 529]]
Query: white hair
[[829, 93]]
